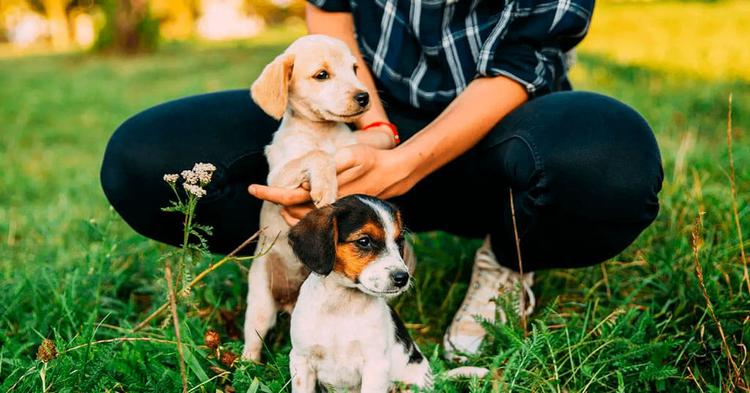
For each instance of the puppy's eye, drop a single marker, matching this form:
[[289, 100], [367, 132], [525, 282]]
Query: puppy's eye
[[355, 69], [364, 242], [322, 75]]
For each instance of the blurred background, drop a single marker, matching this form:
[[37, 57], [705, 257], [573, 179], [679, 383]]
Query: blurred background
[[72, 70], [132, 26]]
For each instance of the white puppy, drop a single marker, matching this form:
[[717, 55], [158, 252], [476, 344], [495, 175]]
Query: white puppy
[[344, 334], [314, 88]]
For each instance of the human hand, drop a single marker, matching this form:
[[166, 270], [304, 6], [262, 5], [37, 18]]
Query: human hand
[[361, 169]]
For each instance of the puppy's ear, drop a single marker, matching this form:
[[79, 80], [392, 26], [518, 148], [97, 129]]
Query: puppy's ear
[[313, 239], [271, 90]]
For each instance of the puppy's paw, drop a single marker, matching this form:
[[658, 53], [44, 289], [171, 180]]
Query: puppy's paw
[[322, 196], [251, 353]]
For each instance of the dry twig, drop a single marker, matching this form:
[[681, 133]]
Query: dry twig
[[175, 322], [120, 339], [199, 277], [733, 187], [696, 242], [522, 296]]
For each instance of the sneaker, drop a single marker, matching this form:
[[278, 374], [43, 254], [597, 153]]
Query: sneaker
[[488, 280]]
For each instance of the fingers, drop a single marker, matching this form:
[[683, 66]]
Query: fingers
[[281, 196], [351, 163], [346, 158], [299, 211], [292, 214], [292, 221]]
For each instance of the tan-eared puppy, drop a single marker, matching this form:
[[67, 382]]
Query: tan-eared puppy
[[313, 88], [344, 334]]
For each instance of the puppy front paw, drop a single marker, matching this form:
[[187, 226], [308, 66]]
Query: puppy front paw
[[251, 352], [322, 196]]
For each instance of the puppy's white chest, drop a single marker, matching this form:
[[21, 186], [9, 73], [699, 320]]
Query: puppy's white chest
[[338, 361], [336, 344], [290, 142]]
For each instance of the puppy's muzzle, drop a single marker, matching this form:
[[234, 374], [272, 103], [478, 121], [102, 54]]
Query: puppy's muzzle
[[362, 99], [400, 278]]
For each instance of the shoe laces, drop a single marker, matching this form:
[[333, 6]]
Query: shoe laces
[[488, 277]]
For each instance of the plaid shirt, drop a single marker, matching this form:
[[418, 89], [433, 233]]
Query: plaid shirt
[[423, 53]]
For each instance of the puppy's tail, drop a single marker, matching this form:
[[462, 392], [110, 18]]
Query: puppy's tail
[[467, 372]]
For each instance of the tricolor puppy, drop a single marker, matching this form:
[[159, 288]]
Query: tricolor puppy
[[344, 334], [313, 88]]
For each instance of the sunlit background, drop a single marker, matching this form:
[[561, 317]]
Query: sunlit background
[[132, 26], [72, 70], [700, 37]]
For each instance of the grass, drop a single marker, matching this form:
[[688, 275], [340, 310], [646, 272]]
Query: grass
[[72, 271], [701, 38]]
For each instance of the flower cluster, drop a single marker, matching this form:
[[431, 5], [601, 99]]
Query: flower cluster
[[194, 179], [171, 178], [46, 351], [196, 190]]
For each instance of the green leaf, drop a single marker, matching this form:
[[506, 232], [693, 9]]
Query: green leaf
[[194, 365], [254, 386]]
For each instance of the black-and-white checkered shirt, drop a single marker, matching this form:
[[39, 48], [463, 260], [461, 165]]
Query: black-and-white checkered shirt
[[423, 53]]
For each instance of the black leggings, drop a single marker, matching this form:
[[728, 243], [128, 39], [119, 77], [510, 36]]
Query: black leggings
[[585, 172]]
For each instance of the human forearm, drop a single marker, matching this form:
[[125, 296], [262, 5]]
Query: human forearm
[[460, 126], [341, 25]]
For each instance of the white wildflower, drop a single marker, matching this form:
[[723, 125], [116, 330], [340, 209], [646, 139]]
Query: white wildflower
[[203, 167], [190, 177], [204, 171], [171, 178], [198, 191]]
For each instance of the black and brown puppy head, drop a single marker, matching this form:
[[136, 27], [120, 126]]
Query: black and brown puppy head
[[358, 238]]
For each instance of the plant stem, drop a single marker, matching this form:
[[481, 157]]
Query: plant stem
[[522, 295], [198, 278], [187, 228], [733, 187], [695, 243], [43, 375], [176, 323], [120, 339]]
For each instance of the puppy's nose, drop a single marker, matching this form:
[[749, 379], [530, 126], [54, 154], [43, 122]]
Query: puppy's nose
[[362, 99], [400, 278]]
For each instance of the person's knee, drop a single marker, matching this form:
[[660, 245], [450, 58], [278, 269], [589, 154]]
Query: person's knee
[[114, 165], [127, 166], [611, 172]]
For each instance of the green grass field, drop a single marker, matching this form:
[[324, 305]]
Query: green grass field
[[72, 271]]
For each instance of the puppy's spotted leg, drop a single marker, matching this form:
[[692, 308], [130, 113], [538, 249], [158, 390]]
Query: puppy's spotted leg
[[303, 377], [261, 311]]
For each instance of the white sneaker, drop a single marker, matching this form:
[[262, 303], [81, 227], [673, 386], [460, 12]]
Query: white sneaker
[[488, 280]]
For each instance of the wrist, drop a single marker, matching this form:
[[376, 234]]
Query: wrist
[[387, 127], [385, 134], [406, 165], [376, 137]]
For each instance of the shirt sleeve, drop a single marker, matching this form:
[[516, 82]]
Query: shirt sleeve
[[332, 5], [530, 42]]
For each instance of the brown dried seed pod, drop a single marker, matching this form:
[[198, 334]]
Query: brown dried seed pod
[[212, 339], [47, 350], [228, 358]]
